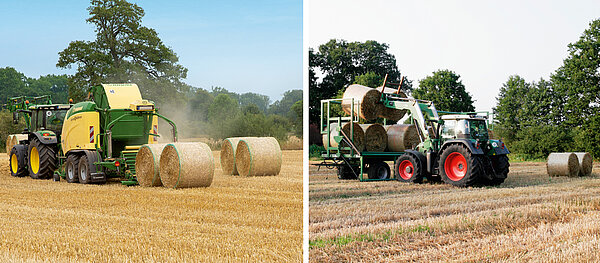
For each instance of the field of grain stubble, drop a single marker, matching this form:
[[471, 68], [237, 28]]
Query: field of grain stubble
[[531, 217], [236, 219]]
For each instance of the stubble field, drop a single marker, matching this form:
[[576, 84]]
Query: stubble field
[[249, 219], [531, 217]]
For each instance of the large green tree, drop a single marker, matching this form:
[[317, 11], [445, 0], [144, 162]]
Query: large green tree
[[577, 86], [14, 83], [340, 62], [123, 51], [446, 90]]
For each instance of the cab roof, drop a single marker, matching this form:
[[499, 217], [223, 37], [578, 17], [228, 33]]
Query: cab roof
[[462, 117]]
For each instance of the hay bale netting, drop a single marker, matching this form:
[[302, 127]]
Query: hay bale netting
[[147, 163], [358, 139], [565, 164], [228, 148], [366, 100], [375, 137], [258, 156], [187, 164], [401, 137], [9, 145], [390, 114], [586, 162]]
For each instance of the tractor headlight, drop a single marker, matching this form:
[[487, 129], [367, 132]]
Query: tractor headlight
[[145, 107]]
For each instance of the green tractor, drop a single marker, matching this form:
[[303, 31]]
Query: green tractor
[[454, 148], [36, 156]]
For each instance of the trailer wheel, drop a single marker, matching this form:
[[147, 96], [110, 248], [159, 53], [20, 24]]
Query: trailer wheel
[[408, 169], [379, 170], [42, 160], [458, 167], [84, 170], [18, 164], [72, 168], [345, 172]]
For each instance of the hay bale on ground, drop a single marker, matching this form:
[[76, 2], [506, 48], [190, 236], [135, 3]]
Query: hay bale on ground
[[228, 148], [9, 145], [390, 114], [186, 164], [19, 137], [147, 163], [365, 101], [358, 139], [258, 156], [565, 164], [402, 137], [375, 137], [586, 162]]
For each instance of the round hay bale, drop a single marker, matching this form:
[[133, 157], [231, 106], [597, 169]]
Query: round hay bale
[[565, 164], [18, 137], [228, 148], [390, 114], [9, 145], [375, 137], [401, 137], [586, 162], [186, 164], [358, 139], [147, 163], [258, 156], [365, 101]]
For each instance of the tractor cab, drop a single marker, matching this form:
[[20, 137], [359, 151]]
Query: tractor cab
[[48, 117], [457, 126]]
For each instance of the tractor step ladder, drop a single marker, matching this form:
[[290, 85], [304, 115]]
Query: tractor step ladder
[[129, 155]]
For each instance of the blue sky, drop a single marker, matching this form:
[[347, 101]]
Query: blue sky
[[243, 46]]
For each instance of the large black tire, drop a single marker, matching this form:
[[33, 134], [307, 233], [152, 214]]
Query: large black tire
[[87, 169], [408, 169], [42, 159], [459, 167], [501, 167], [346, 173], [18, 162], [378, 170], [72, 168]]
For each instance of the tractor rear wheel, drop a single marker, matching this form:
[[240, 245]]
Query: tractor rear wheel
[[459, 167], [408, 169], [379, 170], [18, 163], [42, 160], [72, 168]]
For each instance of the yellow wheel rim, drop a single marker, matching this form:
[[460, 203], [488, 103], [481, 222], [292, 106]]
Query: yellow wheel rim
[[34, 160], [14, 164]]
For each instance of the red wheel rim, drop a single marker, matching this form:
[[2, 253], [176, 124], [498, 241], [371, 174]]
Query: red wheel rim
[[455, 166], [406, 169]]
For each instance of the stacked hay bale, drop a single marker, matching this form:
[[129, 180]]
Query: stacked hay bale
[[188, 164], [401, 137], [9, 143], [586, 162], [365, 102], [147, 164], [376, 138], [13, 140], [349, 129], [228, 148], [258, 156], [565, 164]]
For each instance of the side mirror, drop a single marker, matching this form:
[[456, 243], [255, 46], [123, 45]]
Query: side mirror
[[15, 117]]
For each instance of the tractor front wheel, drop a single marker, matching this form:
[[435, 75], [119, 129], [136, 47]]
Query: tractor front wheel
[[459, 167], [18, 163], [42, 160], [408, 169]]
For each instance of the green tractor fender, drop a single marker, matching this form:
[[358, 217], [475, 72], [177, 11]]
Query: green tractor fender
[[467, 143], [499, 147], [45, 137]]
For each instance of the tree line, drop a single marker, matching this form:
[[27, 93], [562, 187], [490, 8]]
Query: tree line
[[533, 118]]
